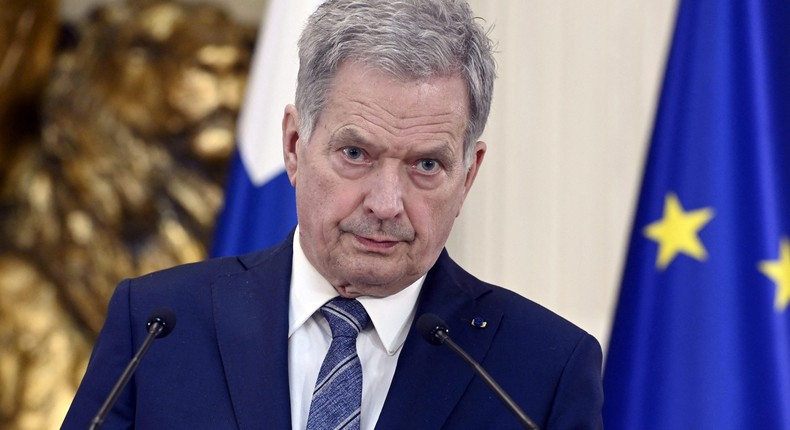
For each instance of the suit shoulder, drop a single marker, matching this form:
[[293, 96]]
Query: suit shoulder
[[519, 314], [192, 275]]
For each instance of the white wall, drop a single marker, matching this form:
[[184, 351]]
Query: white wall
[[573, 108]]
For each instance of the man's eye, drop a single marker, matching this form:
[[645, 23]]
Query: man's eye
[[353, 153], [428, 165]]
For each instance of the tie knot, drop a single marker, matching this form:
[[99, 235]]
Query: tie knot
[[346, 317]]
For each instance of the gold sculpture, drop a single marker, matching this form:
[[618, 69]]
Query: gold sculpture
[[124, 177]]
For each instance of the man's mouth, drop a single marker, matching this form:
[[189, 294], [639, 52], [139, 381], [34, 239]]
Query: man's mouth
[[376, 243]]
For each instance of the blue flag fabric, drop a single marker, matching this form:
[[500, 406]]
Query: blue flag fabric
[[701, 335], [254, 216], [260, 203]]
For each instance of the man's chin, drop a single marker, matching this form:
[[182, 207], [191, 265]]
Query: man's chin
[[370, 286]]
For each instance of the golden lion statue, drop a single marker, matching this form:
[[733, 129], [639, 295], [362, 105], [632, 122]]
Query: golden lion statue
[[122, 175]]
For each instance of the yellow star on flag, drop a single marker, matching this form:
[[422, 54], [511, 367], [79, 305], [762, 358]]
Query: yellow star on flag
[[779, 272], [678, 231]]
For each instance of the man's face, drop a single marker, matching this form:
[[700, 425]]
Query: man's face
[[382, 179]]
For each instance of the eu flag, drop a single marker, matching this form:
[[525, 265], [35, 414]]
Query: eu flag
[[701, 335], [260, 204]]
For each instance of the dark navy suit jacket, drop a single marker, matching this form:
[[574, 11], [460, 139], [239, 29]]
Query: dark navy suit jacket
[[225, 365]]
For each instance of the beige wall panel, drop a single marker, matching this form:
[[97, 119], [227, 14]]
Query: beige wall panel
[[572, 114]]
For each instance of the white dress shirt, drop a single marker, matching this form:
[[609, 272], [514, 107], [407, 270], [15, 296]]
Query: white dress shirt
[[309, 336]]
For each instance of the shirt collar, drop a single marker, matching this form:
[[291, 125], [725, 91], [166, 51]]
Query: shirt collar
[[391, 315]]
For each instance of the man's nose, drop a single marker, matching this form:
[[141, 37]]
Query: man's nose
[[385, 194]]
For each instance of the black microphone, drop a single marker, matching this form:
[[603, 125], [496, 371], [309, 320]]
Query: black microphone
[[161, 322], [435, 331]]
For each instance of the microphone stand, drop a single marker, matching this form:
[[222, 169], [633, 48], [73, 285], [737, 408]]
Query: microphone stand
[[155, 328], [444, 338]]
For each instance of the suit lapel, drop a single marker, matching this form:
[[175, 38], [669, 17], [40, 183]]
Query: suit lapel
[[430, 380], [251, 317]]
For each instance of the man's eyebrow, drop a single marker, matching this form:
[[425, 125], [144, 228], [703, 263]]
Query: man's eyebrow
[[346, 136], [442, 152]]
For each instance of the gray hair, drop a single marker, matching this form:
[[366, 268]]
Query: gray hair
[[409, 39]]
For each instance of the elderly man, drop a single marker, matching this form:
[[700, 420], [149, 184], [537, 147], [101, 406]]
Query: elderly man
[[320, 331]]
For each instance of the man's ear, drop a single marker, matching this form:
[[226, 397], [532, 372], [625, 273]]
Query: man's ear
[[477, 160], [291, 141], [474, 168]]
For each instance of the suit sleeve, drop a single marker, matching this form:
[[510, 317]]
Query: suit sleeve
[[579, 395], [111, 354]]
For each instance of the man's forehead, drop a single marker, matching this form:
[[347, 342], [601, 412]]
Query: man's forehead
[[357, 72], [405, 98]]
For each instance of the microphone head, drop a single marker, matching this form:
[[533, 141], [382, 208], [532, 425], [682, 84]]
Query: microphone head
[[166, 319], [433, 329]]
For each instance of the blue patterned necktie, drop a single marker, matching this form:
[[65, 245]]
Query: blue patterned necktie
[[337, 397]]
